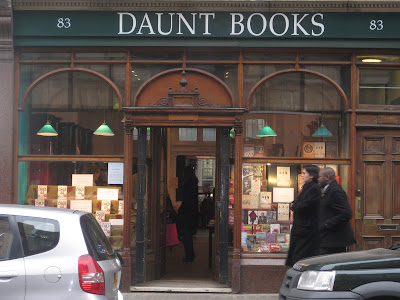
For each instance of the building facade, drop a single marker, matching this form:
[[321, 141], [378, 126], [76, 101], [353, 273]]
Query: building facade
[[188, 81]]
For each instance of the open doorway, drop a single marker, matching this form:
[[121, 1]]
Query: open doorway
[[165, 263]]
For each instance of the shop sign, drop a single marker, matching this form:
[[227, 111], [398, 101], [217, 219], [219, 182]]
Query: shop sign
[[207, 25]]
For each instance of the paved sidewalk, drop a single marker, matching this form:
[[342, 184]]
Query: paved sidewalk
[[196, 296]]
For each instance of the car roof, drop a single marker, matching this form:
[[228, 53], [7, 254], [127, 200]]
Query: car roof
[[35, 211]]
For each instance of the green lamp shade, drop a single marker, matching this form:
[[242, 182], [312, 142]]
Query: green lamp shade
[[104, 130], [232, 133], [266, 131], [47, 130], [322, 131]]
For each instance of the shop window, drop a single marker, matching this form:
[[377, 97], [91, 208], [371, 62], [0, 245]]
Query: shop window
[[326, 57], [209, 134], [5, 239], [187, 134], [379, 87], [259, 56], [228, 73], [140, 73], [165, 55], [100, 56], [216, 56], [45, 56], [268, 189]]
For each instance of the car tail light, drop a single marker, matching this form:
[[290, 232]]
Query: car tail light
[[91, 276]]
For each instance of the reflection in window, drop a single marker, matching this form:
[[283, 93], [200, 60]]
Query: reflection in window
[[187, 134], [209, 134], [379, 87]]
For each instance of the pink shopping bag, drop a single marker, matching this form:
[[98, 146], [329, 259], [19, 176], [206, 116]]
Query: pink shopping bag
[[172, 235]]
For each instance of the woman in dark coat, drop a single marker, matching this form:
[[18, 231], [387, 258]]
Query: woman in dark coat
[[188, 211], [304, 239]]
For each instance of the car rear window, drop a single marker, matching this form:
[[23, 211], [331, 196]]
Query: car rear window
[[38, 235], [96, 241]]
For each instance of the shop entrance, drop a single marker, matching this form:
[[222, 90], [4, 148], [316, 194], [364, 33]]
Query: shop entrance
[[377, 210], [184, 110]]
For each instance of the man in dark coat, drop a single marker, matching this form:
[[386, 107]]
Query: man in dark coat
[[335, 215], [188, 211]]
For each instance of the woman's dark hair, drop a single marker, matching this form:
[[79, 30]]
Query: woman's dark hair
[[313, 170]]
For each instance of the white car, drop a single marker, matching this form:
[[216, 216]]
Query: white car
[[51, 253]]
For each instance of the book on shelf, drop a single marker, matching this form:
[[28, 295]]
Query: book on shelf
[[39, 202], [265, 200], [62, 203], [284, 247], [244, 239], [121, 207], [246, 186], [259, 151], [271, 238], [258, 170], [231, 217], [275, 247], [249, 202], [257, 228], [280, 238], [62, 191], [261, 237], [106, 226], [283, 211], [287, 238], [42, 192], [271, 216], [253, 217], [319, 149], [266, 228], [308, 149], [264, 247], [285, 228], [106, 206], [79, 192], [100, 216], [275, 228], [262, 217], [248, 151]]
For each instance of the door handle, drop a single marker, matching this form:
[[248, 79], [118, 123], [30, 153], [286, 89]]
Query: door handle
[[8, 274], [357, 213]]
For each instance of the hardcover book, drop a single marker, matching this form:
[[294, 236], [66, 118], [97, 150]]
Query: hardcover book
[[100, 216], [284, 247], [274, 247], [248, 151], [106, 206], [121, 207], [259, 151], [275, 228], [264, 247], [42, 192], [39, 202], [280, 238], [261, 237], [262, 217], [308, 149], [271, 216], [244, 239], [106, 226], [62, 203], [62, 192], [265, 200], [283, 212], [271, 238], [79, 192]]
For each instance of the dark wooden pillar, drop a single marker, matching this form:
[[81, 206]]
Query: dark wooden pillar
[[222, 205], [238, 208], [126, 278], [141, 220]]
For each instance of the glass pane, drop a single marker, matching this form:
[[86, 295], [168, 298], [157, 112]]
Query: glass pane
[[379, 87], [254, 73], [250, 56], [165, 55], [75, 131], [187, 134], [209, 134], [268, 190], [297, 135], [5, 239], [340, 74], [100, 56], [376, 58], [143, 72], [45, 56], [296, 92], [326, 57], [227, 73], [232, 56]]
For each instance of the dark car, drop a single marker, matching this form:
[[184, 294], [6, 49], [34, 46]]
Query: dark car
[[371, 274]]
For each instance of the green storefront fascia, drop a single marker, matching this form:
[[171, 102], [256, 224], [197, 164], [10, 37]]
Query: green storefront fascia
[[206, 29]]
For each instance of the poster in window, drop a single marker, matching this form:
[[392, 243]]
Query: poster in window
[[283, 195], [283, 176], [308, 149], [265, 200]]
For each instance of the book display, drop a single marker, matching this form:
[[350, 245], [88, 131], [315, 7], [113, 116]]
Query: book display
[[267, 191], [103, 202]]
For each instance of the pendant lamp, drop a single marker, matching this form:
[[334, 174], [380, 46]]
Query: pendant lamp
[[266, 131], [47, 130], [104, 130], [322, 131]]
